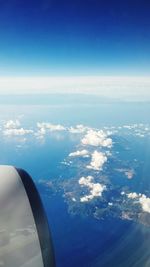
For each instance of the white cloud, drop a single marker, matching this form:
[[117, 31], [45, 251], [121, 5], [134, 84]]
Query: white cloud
[[77, 129], [41, 131], [96, 189], [145, 203], [11, 124], [129, 173], [79, 153], [86, 198], [97, 138], [17, 132], [86, 180], [140, 135], [129, 127], [97, 161], [132, 195], [12, 128], [142, 199], [43, 126]]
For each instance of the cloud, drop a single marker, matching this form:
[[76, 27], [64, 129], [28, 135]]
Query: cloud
[[78, 129], [97, 138], [10, 124], [41, 131], [129, 127], [86, 198], [140, 130], [142, 199], [140, 135], [96, 189], [85, 180], [132, 195], [145, 203], [17, 132], [97, 161], [43, 126], [12, 128], [129, 173], [79, 153]]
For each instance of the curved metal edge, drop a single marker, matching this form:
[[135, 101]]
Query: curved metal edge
[[40, 218]]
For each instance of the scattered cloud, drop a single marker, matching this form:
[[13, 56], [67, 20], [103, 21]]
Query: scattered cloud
[[96, 189], [140, 135], [17, 132], [78, 129], [142, 199], [13, 128], [12, 124], [145, 203], [41, 132], [97, 161], [43, 126], [140, 130], [97, 138], [132, 195], [79, 153], [46, 127], [129, 127], [129, 173]]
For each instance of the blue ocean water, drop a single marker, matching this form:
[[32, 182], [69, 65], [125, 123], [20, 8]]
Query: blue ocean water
[[81, 240], [88, 242]]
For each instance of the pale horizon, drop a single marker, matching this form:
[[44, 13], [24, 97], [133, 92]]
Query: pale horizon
[[107, 86]]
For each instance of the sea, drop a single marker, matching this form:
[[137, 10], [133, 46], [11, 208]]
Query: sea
[[79, 241]]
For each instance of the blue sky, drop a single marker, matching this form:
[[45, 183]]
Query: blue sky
[[74, 38]]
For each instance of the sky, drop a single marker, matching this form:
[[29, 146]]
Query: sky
[[72, 38]]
